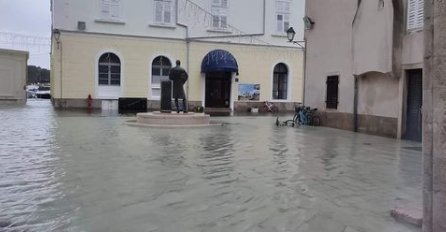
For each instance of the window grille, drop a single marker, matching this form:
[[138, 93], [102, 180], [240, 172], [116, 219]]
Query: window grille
[[332, 92]]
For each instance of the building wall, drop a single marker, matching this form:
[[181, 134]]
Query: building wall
[[79, 53], [137, 19], [341, 43], [329, 52], [13, 71]]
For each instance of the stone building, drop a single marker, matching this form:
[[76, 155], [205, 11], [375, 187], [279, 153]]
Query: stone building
[[112, 49], [364, 64]]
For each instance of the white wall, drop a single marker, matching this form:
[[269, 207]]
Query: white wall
[[13, 71], [245, 17]]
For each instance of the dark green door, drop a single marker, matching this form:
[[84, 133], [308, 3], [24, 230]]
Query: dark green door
[[414, 104]]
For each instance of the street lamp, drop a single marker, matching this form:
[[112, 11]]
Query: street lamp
[[290, 33]]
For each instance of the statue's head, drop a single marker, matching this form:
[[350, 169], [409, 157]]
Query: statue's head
[[178, 62]]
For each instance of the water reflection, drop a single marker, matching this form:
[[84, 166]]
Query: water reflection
[[72, 171]]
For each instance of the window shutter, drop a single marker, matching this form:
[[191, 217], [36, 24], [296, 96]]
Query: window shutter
[[105, 9], [420, 14], [158, 11], [415, 14], [223, 22], [167, 12]]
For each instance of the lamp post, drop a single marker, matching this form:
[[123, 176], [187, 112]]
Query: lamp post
[[290, 33], [56, 34]]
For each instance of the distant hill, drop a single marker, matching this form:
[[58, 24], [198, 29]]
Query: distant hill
[[37, 74]]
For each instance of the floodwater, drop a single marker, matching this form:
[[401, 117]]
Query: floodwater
[[70, 171]]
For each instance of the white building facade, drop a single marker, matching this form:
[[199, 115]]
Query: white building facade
[[13, 73], [364, 65], [236, 52]]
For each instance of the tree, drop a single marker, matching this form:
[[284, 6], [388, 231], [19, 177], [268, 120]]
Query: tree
[[37, 74]]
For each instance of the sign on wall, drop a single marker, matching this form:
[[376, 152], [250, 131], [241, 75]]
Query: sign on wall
[[249, 92]]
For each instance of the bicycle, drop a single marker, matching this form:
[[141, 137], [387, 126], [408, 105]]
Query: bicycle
[[302, 116]]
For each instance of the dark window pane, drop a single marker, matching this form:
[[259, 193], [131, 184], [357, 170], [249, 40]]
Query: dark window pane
[[165, 72], [156, 71], [103, 79], [103, 69], [157, 61], [116, 69], [115, 79], [332, 92]]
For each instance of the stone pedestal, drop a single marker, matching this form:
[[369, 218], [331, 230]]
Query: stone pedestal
[[158, 119]]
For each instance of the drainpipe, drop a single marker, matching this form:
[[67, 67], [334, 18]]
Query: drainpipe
[[355, 105], [304, 71], [61, 71]]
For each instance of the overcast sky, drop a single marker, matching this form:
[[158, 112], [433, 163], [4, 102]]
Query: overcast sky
[[28, 17]]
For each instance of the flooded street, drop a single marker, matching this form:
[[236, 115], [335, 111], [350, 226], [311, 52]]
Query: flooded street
[[69, 171]]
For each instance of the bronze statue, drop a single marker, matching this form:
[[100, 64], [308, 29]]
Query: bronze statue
[[178, 76]]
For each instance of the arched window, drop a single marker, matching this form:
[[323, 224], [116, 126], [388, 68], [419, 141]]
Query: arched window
[[280, 82], [109, 70], [160, 72]]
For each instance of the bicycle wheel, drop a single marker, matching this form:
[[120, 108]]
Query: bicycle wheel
[[296, 119]]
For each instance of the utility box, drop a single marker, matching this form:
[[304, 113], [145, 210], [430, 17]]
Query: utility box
[[166, 96], [13, 72], [132, 105]]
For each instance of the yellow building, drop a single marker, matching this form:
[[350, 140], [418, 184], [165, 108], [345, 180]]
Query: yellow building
[[108, 57]]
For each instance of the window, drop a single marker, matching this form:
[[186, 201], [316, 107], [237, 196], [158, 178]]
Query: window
[[415, 14], [280, 82], [282, 16], [163, 11], [111, 9], [109, 70], [160, 72], [219, 14], [332, 92]]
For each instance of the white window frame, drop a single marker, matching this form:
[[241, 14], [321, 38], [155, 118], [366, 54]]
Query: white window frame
[[109, 72], [162, 8], [157, 86], [111, 9], [219, 11], [415, 14], [282, 11]]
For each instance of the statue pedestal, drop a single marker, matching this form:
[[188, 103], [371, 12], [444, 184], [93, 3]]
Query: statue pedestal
[[158, 119]]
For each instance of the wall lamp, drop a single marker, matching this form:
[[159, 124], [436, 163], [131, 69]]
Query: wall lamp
[[290, 33], [56, 34]]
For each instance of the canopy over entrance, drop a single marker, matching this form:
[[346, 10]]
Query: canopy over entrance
[[219, 61]]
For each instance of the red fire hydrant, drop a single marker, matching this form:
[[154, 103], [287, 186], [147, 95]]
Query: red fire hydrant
[[89, 102]]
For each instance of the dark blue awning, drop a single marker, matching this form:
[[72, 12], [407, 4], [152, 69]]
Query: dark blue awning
[[219, 61]]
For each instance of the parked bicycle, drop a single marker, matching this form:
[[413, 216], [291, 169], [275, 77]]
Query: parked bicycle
[[302, 116]]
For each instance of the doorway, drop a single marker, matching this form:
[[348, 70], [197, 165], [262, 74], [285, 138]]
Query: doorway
[[414, 104], [218, 90]]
